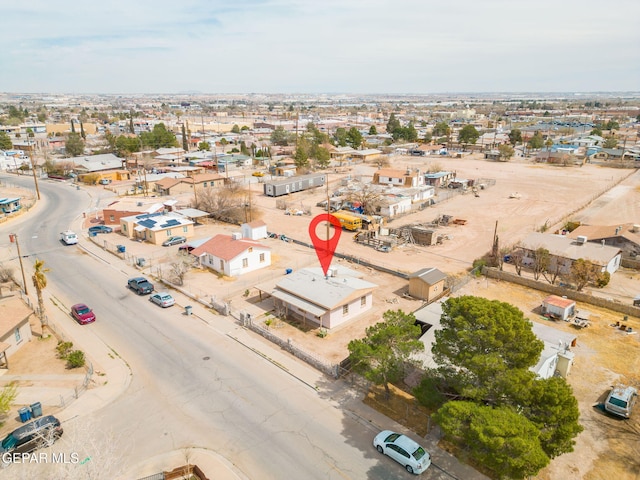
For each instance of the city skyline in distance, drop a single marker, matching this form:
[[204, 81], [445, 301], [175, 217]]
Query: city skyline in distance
[[283, 46]]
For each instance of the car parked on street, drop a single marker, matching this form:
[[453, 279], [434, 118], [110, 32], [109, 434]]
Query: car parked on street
[[162, 299], [403, 450], [82, 314], [173, 241], [42, 432], [100, 229], [140, 285]]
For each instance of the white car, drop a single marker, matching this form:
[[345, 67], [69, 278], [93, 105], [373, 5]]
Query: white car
[[163, 299], [69, 238], [403, 450]]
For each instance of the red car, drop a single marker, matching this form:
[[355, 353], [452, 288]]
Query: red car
[[82, 314]]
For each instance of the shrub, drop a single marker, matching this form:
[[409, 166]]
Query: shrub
[[63, 349], [603, 279], [75, 359]]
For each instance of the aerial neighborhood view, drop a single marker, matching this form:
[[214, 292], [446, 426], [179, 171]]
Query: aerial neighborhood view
[[323, 258]]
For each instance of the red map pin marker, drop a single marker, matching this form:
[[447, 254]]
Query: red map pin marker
[[325, 248]]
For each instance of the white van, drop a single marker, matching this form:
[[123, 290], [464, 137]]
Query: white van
[[68, 237]]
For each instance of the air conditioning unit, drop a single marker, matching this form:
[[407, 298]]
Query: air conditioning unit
[[581, 239], [236, 236]]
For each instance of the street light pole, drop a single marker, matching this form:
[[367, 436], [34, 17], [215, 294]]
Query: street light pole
[[14, 238]]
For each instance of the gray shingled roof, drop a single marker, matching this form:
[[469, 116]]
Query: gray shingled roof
[[562, 246]]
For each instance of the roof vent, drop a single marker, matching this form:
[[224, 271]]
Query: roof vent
[[236, 235], [581, 239]]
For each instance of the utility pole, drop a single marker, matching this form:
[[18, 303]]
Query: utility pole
[[33, 167], [13, 237]]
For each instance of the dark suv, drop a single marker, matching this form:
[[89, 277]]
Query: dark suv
[[140, 285], [39, 433]]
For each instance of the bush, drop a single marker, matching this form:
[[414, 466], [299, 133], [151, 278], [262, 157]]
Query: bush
[[76, 359], [603, 279], [63, 349]]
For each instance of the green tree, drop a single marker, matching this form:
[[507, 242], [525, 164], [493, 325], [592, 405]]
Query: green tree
[[441, 129], [497, 437], [484, 348], [39, 280], [185, 142], [321, 156], [551, 406], [536, 142], [82, 134], [373, 130], [301, 155], [506, 152], [382, 354], [5, 141], [73, 128], [354, 138], [159, 137], [612, 125], [340, 137], [393, 124], [280, 137], [427, 137], [596, 131], [204, 146], [515, 136], [610, 142], [126, 145], [74, 145], [131, 127], [468, 135], [235, 129]]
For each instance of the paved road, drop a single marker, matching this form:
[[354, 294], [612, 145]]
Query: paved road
[[192, 384]]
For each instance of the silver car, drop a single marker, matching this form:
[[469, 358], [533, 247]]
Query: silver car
[[163, 299]]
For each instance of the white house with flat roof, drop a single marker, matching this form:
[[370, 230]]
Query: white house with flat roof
[[327, 301]]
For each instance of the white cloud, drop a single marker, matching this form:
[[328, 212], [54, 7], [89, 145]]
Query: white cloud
[[332, 46]]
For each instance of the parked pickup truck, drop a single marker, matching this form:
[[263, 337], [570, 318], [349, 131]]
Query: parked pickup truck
[[140, 285]]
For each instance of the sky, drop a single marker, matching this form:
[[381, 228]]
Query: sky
[[325, 46]]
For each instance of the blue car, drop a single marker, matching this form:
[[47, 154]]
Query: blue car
[[100, 229]]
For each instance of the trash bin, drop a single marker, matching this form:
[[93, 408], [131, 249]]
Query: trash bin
[[288, 271], [187, 310], [36, 409], [92, 234], [25, 414], [121, 248], [141, 262]]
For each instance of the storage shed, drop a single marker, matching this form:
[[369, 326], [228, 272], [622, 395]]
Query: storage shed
[[427, 284], [285, 186], [559, 307]]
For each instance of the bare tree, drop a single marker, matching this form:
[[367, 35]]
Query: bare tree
[[540, 262], [179, 270], [583, 272], [369, 197], [517, 258], [230, 203]]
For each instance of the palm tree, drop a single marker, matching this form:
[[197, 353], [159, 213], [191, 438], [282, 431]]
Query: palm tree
[[40, 282]]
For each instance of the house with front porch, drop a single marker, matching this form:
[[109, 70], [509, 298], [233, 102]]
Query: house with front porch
[[175, 186], [395, 177], [327, 301], [15, 331]]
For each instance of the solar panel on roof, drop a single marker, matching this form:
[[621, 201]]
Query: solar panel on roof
[[148, 223], [173, 222]]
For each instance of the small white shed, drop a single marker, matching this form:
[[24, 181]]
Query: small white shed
[[559, 307], [255, 230]]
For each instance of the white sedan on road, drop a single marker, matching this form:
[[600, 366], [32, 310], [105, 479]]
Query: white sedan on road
[[163, 299], [403, 450]]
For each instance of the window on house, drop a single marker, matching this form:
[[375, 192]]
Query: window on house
[[112, 218], [204, 184], [17, 335], [169, 233], [245, 262], [221, 264], [363, 301], [124, 227], [185, 229], [261, 257], [345, 309]]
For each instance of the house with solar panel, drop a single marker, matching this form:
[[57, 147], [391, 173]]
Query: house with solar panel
[[156, 227]]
